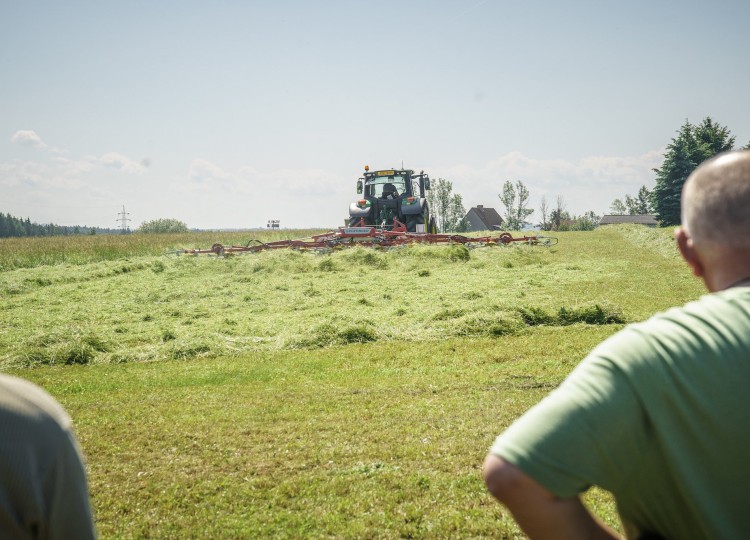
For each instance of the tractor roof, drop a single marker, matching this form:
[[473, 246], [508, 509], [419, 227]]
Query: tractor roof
[[389, 172]]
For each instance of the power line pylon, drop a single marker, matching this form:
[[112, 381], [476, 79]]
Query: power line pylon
[[122, 218]]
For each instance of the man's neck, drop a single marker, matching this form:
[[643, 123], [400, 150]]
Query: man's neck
[[729, 268]]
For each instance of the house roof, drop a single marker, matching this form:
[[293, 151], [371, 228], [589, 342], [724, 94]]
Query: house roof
[[488, 216], [640, 219]]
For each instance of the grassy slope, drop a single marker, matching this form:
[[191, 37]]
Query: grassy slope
[[239, 436]]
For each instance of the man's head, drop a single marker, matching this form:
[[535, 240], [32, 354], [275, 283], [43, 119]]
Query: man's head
[[714, 235], [716, 201]]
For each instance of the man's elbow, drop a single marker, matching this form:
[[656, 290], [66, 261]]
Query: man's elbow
[[503, 480]]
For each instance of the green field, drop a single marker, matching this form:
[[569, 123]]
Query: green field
[[289, 395]]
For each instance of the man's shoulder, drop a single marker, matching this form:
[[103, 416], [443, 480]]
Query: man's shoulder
[[707, 325], [24, 401], [730, 309]]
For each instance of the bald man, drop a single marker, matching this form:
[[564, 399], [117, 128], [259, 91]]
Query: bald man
[[658, 414]]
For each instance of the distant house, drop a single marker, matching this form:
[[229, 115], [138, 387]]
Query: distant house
[[480, 218], [642, 219]]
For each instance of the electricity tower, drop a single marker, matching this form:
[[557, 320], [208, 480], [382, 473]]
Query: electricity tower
[[122, 218]]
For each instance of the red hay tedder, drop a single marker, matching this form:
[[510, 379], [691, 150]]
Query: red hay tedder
[[369, 236]]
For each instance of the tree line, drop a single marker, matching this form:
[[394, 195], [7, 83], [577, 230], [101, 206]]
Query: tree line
[[12, 226]]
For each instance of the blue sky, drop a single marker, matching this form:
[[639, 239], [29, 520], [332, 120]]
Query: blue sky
[[228, 113]]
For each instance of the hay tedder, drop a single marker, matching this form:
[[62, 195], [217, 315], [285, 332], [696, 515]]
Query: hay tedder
[[370, 236]]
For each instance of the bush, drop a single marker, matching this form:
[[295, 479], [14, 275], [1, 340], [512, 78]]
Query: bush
[[163, 225]]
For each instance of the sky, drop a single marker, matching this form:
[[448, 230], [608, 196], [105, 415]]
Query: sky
[[227, 114]]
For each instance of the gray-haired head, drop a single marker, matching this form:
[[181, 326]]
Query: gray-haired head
[[716, 201]]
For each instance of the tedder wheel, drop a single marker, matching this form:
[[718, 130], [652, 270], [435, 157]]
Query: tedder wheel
[[506, 238]]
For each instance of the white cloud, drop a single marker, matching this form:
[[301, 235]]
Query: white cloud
[[74, 167], [202, 171], [28, 137], [15, 174], [33, 175], [121, 163], [204, 175], [248, 197]]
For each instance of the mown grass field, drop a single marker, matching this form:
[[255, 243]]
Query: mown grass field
[[291, 395]]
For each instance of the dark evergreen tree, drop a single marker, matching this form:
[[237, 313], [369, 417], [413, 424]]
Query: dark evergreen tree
[[692, 146]]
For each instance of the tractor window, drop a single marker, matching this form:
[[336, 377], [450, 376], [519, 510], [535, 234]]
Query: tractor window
[[374, 186]]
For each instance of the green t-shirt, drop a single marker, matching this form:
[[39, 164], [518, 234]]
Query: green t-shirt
[[659, 415]]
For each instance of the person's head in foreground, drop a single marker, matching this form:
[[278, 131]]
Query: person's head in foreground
[[658, 413]]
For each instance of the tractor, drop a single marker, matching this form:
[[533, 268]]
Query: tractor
[[393, 195]]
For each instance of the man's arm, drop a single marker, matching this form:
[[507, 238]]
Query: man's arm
[[539, 513], [70, 514]]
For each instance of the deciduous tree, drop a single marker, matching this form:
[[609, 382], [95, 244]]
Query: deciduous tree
[[508, 199], [640, 204], [544, 224], [617, 208], [457, 216], [516, 210], [522, 211], [559, 214], [447, 207]]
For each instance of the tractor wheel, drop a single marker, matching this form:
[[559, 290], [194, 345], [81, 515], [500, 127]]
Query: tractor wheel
[[412, 222], [432, 229]]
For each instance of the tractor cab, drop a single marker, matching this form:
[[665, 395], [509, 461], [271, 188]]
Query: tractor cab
[[392, 184], [392, 194]]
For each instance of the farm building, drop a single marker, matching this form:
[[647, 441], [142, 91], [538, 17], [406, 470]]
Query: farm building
[[642, 219], [480, 218]]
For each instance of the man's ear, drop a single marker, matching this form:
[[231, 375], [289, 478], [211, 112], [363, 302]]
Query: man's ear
[[688, 251]]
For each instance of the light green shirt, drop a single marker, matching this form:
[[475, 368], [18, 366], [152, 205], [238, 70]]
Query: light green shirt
[[43, 490], [659, 415]]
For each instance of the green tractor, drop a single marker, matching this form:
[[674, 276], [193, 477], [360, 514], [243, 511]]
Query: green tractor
[[393, 194]]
